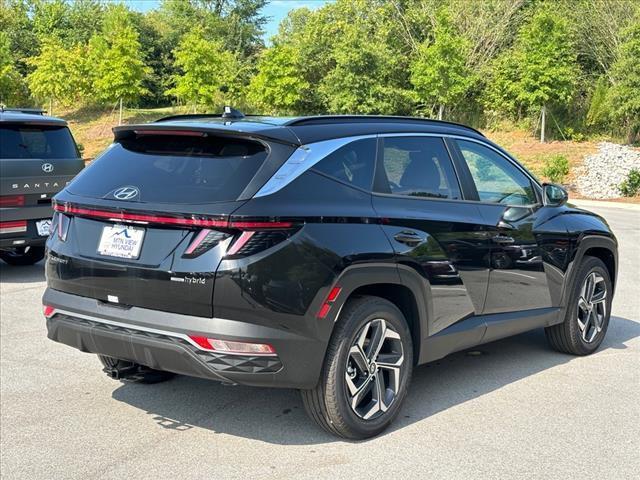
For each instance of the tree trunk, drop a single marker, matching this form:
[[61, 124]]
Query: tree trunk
[[50, 112], [543, 123], [120, 116], [440, 112]]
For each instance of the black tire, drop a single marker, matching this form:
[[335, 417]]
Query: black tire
[[138, 373], [568, 336], [22, 256], [328, 404]]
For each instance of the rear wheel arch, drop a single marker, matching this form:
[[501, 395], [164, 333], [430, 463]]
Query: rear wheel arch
[[385, 281]]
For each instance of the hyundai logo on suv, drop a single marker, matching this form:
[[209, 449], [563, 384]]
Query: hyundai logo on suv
[[47, 167], [126, 193]]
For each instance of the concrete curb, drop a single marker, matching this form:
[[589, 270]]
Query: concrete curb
[[602, 203]]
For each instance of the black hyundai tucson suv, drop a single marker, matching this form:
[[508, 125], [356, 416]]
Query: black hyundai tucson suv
[[38, 157], [330, 254]]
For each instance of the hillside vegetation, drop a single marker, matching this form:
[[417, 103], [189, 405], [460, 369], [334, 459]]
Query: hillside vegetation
[[559, 68]]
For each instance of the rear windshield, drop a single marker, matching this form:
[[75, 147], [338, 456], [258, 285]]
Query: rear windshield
[[40, 142], [173, 169]]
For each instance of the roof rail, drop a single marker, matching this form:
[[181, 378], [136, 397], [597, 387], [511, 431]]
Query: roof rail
[[326, 119], [34, 111]]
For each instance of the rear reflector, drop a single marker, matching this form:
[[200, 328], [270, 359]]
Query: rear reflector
[[226, 346], [12, 201], [48, 311], [328, 303], [16, 226]]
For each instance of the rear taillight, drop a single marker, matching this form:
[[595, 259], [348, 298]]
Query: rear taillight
[[12, 201], [16, 226], [62, 226], [203, 241], [234, 347]]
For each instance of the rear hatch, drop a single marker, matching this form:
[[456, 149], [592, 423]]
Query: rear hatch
[[148, 222], [36, 159]]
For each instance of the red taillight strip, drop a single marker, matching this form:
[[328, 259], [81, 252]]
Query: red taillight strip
[[259, 225], [13, 227], [12, 201], [179, 133], [161, 219], [135, 217]]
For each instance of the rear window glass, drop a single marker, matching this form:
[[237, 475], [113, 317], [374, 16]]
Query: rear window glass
[[40, 142], [173, 169]]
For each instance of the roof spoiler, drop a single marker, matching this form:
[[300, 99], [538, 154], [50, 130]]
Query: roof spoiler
[[33, 111], [228, 112]]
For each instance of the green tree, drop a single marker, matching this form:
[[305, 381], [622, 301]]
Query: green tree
[[540, 70], [59, 74], [624, 94], [12, 86], [439, 72], [116, 59], [208, 72], [368, 76], [279, 87]]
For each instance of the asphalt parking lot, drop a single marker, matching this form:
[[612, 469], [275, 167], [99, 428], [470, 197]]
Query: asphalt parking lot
[[517, 410]]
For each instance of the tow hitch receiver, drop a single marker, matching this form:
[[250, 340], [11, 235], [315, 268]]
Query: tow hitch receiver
[[120, 373]]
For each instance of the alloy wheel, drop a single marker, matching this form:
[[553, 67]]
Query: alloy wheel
[[374, 369], [592, 306]]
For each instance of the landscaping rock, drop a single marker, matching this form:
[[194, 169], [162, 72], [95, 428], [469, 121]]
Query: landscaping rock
[[603, 172]]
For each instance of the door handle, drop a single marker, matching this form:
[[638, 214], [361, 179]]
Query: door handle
[[502, 239], [408, 238]]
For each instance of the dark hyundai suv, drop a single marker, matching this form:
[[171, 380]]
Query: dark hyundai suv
[[38, 157], [330, 254]]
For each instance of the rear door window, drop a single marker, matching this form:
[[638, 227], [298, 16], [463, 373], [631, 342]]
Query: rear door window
[[177, 169], [417, 167], [38, 142], [352, 164]]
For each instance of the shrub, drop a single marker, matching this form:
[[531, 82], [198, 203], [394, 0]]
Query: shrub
[[556, 168], [631, 186]]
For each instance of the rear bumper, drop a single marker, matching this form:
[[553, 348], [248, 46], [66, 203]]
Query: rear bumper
[[160, 340], [28, 238]]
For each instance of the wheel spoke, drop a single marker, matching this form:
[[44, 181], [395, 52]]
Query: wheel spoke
[[599, 297], [583, 305], [358, 356], [361, 393], [381, 390], [378, 337]]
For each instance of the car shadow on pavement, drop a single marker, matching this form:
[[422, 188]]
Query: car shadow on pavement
[[277, 415], [23, 274]]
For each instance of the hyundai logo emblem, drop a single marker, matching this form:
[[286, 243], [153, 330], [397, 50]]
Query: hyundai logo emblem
[[47, 167], [126, 193]]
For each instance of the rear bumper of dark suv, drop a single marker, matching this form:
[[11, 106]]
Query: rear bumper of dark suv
[[161, 340]]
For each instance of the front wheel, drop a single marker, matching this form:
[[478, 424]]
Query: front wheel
[[588, 311], [366, 373], [22, 256]]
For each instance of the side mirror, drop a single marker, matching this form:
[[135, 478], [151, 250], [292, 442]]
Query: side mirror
[[554, 195]]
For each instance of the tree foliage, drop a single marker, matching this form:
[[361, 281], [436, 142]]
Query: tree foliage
[[439, 72], [118, 69], [208, 72], [624, 95], [485, 60], [539, 70]]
